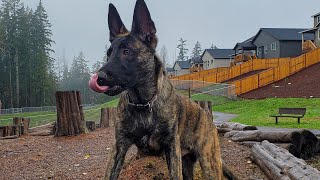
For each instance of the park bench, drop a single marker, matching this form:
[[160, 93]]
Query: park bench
[[290, 112]]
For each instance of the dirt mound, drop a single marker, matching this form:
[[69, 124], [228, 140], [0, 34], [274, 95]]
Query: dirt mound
[[84, 157], [304, 84]]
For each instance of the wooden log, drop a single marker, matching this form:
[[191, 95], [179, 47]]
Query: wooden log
[[237, 126], [257, 135], [310, 143], [16, 126], [223, 130], [91, 125], [7, 131], [70, 118], [108, 117], [9, 137], [26, 126], [1, 131], [278, 163]]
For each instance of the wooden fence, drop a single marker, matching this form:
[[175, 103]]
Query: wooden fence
[[219, 75], [278, 69], [196, 75]]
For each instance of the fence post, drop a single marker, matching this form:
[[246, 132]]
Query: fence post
[[189, 92]]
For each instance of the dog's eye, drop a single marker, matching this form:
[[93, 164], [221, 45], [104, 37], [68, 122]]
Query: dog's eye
[[126, 52]]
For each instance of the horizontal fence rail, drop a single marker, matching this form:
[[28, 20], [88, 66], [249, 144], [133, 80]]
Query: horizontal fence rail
[[37, 109]]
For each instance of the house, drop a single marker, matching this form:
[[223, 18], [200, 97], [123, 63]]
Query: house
[[196, 64], [215, 58], [279, 42], [308, 45], [170, 71], [181, 68], [244, 51]]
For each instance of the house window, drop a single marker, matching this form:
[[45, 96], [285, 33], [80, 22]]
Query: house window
[[265, 49], [318, 19], [319, 33], [274, 46]]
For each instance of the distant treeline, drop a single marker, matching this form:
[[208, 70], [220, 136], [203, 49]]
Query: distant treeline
[[29, 77]]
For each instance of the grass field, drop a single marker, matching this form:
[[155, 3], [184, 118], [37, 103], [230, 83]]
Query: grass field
[[256, 112], [252, 112]]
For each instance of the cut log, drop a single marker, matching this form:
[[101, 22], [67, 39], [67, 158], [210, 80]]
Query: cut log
[[108, 117], [6, 130], [237, 126], [25, 126], [310, 143], [9, 137], [271, 136], [91, 125], [16, 126], [223, 130], [70, 118], [278, 163]]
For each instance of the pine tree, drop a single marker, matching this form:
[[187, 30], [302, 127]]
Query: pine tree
[[164, 55], [182, 50], [213, 47], [197, 51]]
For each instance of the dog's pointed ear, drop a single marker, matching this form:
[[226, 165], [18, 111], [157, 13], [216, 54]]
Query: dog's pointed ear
[[116, 25], [142, 26]]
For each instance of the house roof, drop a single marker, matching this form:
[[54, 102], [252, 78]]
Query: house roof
[[247, 44], [285, 34], [183, 64], [316, 15], [196, 60], [220, 53], [169, 69]]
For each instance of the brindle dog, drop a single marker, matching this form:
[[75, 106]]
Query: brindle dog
[[152, 115]]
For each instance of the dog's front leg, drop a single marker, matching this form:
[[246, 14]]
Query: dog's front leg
[[173, 157], [116, 159]]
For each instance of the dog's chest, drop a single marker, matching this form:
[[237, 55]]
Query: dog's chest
[[148, 133]]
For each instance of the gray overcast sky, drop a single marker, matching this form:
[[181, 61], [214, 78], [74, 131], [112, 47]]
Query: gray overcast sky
[[81, 25]]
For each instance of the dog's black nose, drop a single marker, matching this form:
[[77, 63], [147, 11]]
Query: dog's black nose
[[102, 76]]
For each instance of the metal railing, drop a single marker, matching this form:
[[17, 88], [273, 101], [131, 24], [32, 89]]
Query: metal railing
[[37, 109]]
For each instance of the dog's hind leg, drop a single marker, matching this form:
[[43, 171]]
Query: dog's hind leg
[[188, 162], [210, 159], [116, 160]]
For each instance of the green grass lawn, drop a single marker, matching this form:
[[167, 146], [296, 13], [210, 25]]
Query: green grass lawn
[[42, 118], [256, 112]]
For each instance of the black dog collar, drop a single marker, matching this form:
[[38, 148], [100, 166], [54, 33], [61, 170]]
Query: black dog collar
[[149, 105]]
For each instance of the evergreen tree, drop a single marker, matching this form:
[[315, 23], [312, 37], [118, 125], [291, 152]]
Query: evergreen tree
[[164, 55], [213, 47], [182, 50], [197, 51]]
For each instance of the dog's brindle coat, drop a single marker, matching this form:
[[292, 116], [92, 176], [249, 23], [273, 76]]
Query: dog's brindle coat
[[169, 122]]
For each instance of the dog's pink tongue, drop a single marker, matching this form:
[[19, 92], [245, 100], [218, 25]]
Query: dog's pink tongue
[[93, 83]]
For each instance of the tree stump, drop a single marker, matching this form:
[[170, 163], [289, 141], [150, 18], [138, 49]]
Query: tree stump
[[70, 118], [25, 126], [108, 117], [17, 121], [91, 125]]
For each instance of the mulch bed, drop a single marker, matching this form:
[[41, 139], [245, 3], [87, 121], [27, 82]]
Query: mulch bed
[[243, 76], [84, 157], [303, 84]]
